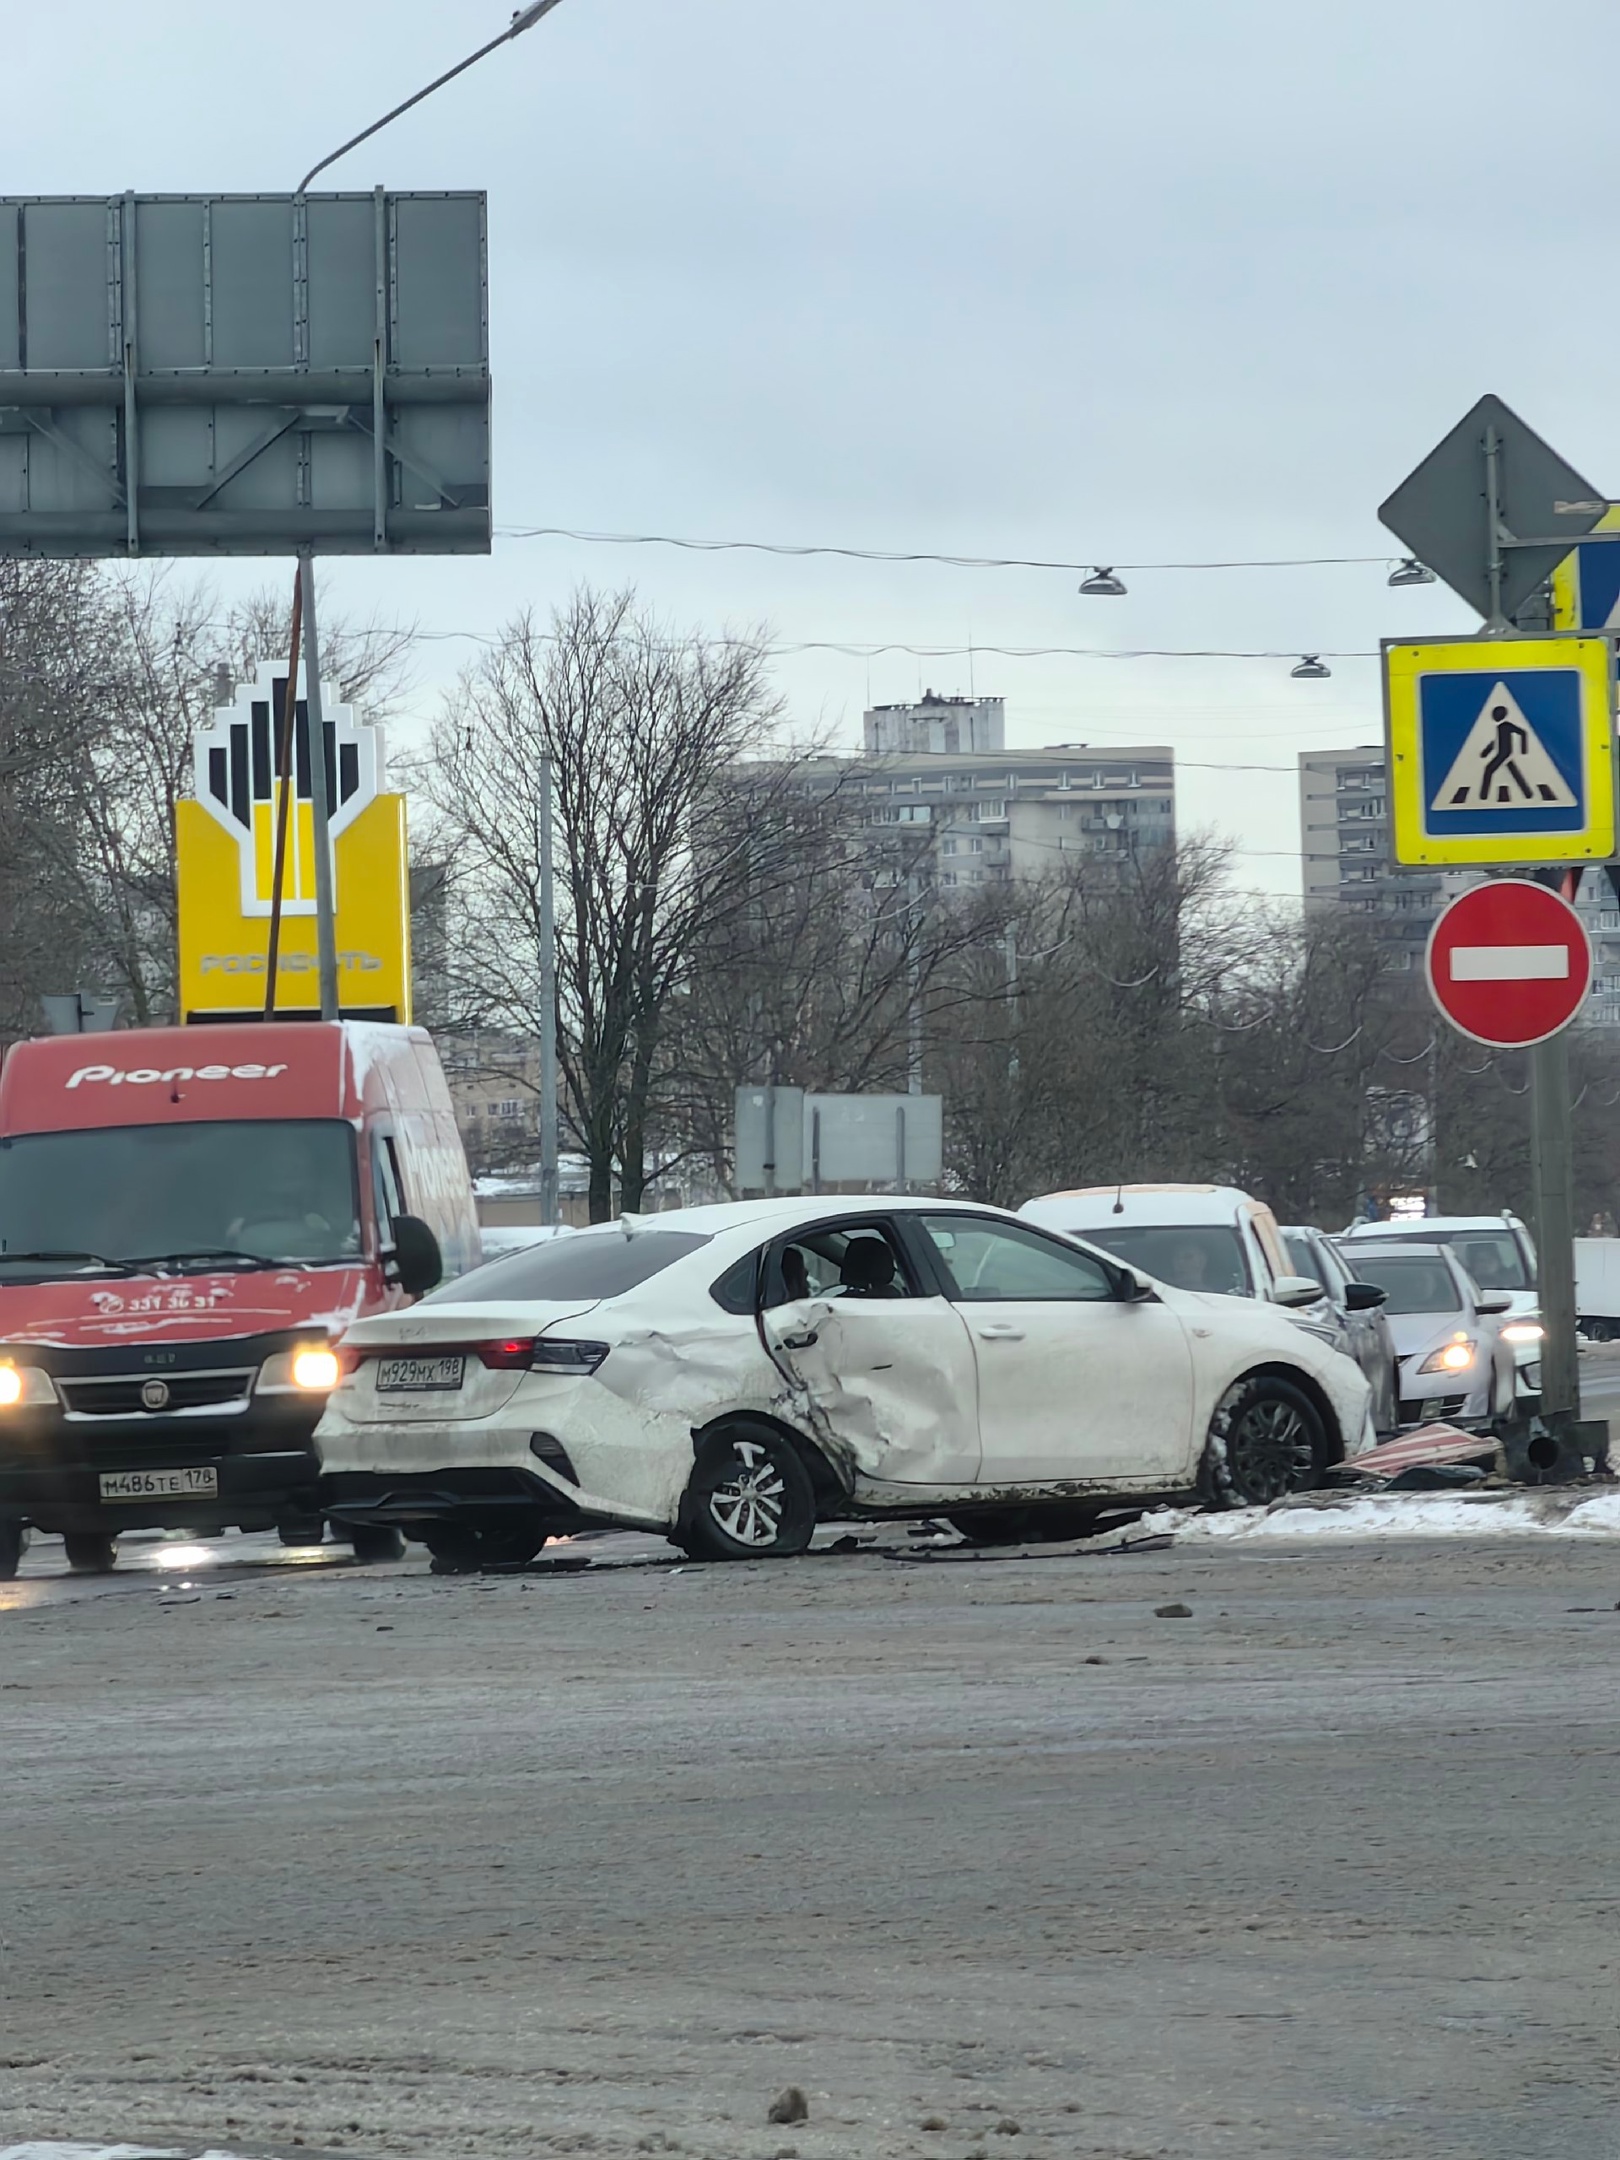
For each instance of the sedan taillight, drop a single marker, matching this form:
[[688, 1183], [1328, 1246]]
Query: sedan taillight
[[540, 1353]]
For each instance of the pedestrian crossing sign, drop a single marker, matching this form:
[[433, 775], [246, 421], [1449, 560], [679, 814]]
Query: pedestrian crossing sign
[[1501, 750]]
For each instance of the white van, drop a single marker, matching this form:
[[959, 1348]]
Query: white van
[[1195, 1237]]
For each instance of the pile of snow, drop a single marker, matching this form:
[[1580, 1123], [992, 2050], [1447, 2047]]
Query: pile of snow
[[1564, 1512]]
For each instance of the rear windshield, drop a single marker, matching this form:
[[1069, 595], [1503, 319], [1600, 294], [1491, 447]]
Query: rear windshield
[[1493, 1257], [605, 1265], [1413, 1286], [1191, 1256]]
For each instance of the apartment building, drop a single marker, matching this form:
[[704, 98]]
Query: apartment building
[[1347, 863], [974, 813]]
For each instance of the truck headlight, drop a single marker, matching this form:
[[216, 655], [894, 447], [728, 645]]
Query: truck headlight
[[23, 1387], [1455, 1357], [312, 1368]]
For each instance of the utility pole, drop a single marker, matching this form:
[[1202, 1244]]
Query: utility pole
[[1551, 1162], [550, 1182]]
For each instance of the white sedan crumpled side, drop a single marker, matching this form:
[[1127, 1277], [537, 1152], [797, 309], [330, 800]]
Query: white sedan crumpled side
[[730, 1375]]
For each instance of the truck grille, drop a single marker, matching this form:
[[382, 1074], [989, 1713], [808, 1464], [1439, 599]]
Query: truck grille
[[122, 1395]]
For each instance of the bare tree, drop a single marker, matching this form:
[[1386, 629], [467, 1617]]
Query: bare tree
[[645, 731]]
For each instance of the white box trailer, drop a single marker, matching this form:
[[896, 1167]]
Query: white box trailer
[[1597, 1287]]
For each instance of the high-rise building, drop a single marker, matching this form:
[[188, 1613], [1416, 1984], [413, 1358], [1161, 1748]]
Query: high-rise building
[[1347, 863], [937, 726], [937, 775]]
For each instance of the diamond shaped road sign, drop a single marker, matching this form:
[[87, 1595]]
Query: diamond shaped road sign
[[1439, 511]]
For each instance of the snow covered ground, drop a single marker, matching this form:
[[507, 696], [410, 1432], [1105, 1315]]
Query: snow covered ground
[[1578, 1511]]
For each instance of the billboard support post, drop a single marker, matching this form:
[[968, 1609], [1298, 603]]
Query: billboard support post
[[284, 786], [319, 797]]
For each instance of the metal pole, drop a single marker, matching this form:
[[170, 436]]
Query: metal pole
[[1012, 998], [1493, 527], [320, 796], [550, 1181], [524, 19], [1551, 1155], [914, 1027], [284, 792]]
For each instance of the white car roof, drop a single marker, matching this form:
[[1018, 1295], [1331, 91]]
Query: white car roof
[[1421, 1226], [784, 1213], [1154, 1206]]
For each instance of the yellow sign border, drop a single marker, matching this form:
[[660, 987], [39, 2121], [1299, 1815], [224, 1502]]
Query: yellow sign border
[[1407, 660]]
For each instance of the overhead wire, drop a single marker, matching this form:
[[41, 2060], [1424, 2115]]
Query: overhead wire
[[918, 555]]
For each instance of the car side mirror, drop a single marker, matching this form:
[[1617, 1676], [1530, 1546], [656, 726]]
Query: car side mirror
[[1293, 1291], [1133, 1289], [1496, 1301], [418, 1265], [1364, 1297]]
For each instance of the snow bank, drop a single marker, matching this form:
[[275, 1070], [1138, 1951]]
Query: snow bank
[[1344, 1516]]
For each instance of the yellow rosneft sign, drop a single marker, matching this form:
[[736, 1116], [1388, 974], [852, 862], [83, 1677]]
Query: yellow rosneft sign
[[225, 845]]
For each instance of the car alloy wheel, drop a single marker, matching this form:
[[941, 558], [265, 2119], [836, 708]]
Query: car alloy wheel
[[749, 1502], [1265, 1440], [750, 1497]]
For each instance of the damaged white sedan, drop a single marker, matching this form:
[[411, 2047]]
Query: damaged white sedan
[[732, 1375]]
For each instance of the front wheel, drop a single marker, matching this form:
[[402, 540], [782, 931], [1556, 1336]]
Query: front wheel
[[1265, 1440], [13, 1544], [750, 1497], [90, 1552]]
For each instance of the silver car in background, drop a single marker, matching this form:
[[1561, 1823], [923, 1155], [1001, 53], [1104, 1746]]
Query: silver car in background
[[1453, 1359]]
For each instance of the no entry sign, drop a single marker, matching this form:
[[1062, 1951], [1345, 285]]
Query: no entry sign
[[1509, 963]]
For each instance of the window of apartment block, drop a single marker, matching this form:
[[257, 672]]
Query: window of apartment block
[[975, 847], [990, 809], [948, 877], [947, 847]]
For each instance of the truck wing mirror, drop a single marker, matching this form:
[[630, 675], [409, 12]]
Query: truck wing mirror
[[418, 1263]]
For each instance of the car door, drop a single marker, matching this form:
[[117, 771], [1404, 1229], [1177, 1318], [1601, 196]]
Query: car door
[[1075, 1381], [887, 1364], [1367, 1333]]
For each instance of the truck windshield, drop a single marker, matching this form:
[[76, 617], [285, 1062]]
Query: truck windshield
[[267, 1190]]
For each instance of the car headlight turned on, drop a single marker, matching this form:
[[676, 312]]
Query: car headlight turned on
[[1455, 1357], [540, 1353], [1523, 1331], [24, 1387], [312, 1368]]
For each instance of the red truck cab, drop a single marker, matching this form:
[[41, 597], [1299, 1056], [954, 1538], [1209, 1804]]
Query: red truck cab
[[189, 1219]]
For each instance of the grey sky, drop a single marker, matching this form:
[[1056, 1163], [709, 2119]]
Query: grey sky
[[1169, 279]]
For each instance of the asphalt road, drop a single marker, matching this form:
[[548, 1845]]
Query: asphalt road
[[981, 1852]]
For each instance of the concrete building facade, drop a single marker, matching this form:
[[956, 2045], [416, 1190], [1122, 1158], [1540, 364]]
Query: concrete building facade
[[938, 776], [1347, 863]]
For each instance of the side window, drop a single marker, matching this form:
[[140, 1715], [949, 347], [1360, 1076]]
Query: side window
[[1001, 1261], [853, 1261], [385, 1186]]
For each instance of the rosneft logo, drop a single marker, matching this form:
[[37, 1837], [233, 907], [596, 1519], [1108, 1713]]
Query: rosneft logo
[[236, 784]]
